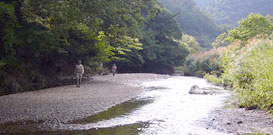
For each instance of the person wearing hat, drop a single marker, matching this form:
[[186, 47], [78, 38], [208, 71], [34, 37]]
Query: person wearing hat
[[79, 71]]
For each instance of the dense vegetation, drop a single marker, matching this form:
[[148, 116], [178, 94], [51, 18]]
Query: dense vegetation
[[161, 46], [231, 11], [193, 21], [246, 64], [42, 40]]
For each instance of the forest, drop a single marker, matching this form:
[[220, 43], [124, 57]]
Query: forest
[[231, 11], [194, 22], [41, 41]]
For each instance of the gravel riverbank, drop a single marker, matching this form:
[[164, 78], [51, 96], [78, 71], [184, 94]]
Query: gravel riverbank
[[68, 103], [240, 121]]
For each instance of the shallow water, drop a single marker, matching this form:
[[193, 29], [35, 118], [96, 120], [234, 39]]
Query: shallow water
[[165, 108]]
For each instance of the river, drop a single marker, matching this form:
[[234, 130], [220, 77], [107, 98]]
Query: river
[[165, 108]]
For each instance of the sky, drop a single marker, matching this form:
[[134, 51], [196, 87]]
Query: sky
[[203, 3]]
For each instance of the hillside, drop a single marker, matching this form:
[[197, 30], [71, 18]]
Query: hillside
[[231, 11], [193, 21], [246, 63]]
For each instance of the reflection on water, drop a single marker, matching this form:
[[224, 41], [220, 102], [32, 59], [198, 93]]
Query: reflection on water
[[133, 129], [165, 108], [116, 111]]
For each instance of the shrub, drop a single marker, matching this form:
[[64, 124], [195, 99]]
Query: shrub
[[253, 78], [200, 66], [213, 79], [247, 63]]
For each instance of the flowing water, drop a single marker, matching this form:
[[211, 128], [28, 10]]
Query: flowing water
[[165, 108]]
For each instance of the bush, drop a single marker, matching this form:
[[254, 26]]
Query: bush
[[199, 67], [253, 79], [247, 63], [214, 79]]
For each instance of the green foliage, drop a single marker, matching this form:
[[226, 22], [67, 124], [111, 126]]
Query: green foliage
[[254, 78], [191, 43], [8, 25], [161, 47], [270, 18], [199, 67], [247, 65], [191, 68], [42, 40], [249, 27], [214, 79], [220, 40]]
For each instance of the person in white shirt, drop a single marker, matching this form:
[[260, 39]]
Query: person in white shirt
[[79, 71]]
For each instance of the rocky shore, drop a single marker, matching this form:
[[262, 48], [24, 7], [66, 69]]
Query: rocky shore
[[240, 121]]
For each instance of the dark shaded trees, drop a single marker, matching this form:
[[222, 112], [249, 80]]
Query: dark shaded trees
[[42, 40], [161, 49]]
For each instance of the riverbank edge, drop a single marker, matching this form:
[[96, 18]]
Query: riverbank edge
[[235, 120]]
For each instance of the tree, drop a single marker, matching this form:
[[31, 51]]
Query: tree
[[249, 27], [190, 43], [8, 23], [40, 40], [220, 40], [161, 48]]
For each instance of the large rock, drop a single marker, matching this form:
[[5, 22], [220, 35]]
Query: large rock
[[196, 90], [204, 91]]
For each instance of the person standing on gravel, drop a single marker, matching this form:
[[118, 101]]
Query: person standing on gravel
[[114, 69], [79, 71]]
